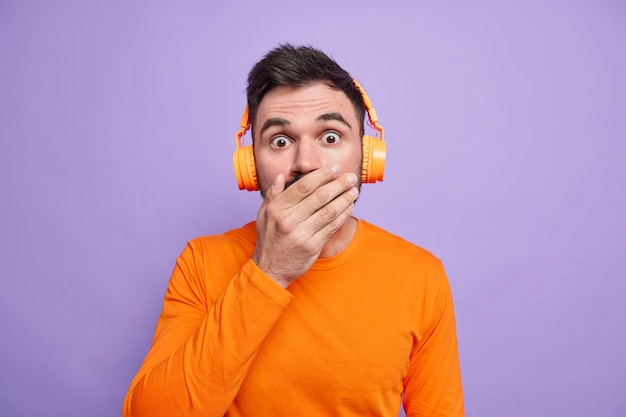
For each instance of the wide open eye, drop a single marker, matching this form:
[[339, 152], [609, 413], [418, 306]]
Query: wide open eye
[[331, 138], [280, 142]]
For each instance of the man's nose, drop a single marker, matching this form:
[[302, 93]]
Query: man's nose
[[307, 157]]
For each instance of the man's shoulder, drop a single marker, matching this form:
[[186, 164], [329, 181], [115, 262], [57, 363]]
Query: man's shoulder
[[242, 237], [391, 244]]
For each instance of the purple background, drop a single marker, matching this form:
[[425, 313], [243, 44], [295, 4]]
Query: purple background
[[506, 127]]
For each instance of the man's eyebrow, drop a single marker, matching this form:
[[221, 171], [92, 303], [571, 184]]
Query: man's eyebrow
[[333, 116], [277, 121], [274, 121]]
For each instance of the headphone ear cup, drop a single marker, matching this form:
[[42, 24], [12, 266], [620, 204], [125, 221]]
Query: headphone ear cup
[[245, 170], [374, 155]]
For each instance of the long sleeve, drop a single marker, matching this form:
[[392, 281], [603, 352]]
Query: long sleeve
[[432, 386], [207, 336]]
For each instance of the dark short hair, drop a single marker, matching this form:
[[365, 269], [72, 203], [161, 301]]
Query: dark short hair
[[299, 66]]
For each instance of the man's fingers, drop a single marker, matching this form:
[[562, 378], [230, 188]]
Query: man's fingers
[[329, 212], [328, 192], [331, 219], [311, 182], [277, 186]]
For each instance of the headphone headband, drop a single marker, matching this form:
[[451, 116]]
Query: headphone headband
[[244, 125], [371, 113]]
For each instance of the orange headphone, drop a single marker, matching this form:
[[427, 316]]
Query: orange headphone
[[374, 151]]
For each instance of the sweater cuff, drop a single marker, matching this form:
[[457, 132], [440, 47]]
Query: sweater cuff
[[267, 286]]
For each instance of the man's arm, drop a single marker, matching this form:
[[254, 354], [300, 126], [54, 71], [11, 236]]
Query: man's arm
[[201, 353], [432, 386]]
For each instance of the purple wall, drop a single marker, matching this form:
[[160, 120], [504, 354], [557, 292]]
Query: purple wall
[[506, 127]]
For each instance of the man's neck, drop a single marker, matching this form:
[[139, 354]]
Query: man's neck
[[341, 239]]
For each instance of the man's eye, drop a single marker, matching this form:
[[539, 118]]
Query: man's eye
[[330, 138], [279, 142]]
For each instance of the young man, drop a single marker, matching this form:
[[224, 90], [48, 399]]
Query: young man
[[308, 311]]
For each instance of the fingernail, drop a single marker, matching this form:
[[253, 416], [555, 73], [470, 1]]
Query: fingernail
[[351, 178], [276, 179], [354, 192], [335, 168]]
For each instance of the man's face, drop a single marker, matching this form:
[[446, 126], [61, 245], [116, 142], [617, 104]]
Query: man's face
[[298, 130]]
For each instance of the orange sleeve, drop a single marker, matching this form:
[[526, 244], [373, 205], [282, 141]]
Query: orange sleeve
[[432, 386], [203, 345]]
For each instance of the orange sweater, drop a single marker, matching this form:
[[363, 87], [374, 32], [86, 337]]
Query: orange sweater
[[346, 339]]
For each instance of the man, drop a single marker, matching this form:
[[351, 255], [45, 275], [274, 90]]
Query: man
[[308, 311]]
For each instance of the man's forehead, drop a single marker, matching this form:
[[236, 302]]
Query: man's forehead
[[324, 117], [315, 100]]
